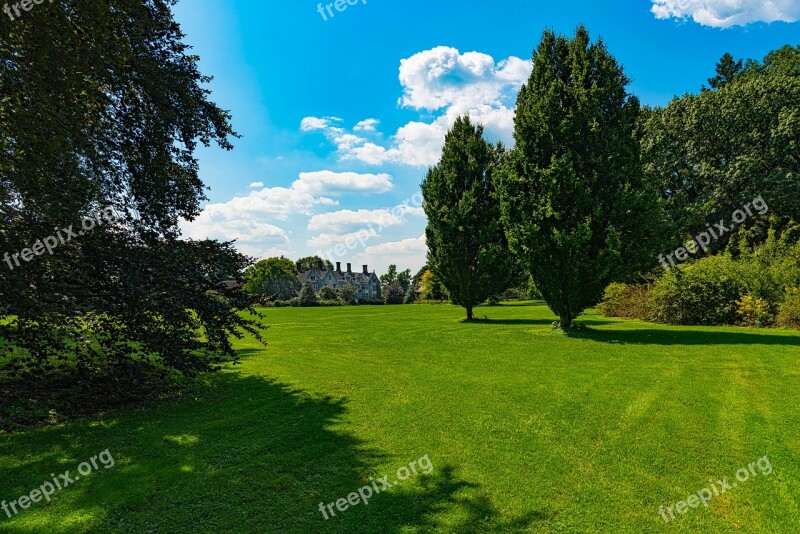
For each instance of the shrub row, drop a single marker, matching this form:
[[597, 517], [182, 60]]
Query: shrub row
[[716, 290]]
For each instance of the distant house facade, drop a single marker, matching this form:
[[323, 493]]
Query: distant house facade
[[367, 283]]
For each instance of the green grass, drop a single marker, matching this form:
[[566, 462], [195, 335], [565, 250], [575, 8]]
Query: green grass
[[526, 428]]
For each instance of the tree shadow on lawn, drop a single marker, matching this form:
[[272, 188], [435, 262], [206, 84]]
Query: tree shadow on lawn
[[249, 455], [539, 322], [683, 337]]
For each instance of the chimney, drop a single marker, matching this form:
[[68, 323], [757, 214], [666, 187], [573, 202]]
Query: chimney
[[349, 267], [299, 267], [366, 271], [320, 265], [338, 266]]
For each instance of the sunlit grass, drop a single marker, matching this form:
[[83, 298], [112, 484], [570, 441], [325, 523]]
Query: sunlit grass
[[527, 428]]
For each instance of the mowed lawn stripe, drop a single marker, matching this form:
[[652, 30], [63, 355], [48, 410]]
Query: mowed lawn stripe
[[527, 429]]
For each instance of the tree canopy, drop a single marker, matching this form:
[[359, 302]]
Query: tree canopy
[[573, 201], [103, 107], [467, 248], [273, 278]]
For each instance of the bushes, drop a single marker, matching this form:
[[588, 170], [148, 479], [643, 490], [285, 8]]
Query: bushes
[[701, 293], [393, 294], [327, 293], [307, 295], [789, 314], [348, 293], [625, 301], [754, 311]]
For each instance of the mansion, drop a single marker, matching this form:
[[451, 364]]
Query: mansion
[[367, 283]]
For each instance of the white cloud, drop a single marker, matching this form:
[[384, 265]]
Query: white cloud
[[406, 254], [444, 82], [367, 125], [352, 240], [329, 182], [256, 185], [727, 13], [410, 246], [345, 220], [309, 124], [341, 221], [250, 219]]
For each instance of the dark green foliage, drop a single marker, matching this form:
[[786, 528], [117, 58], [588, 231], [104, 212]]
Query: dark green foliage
[[392, 275], [576, 210], [272, 279], [312, 262], [727, 69], [712, 153], [327, 293], [307, 295], [466, 244], [702, 293], [627, 301], [348, 293], [404, 279], [789, 315], [101, 107], [411, 295], [393, 294], [431, 287]]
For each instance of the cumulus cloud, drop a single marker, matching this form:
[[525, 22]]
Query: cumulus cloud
[[309, 124], [334, 183], [351, 239], [406, 254], [256, 185], [251, 219], [344, 220], [446, 84], [367, 125], [728, 13]]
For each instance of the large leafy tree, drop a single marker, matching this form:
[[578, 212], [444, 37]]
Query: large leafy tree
[[311, 262], [714, 152], [273, 278], [574, 205], [102, 106], [467, 248]]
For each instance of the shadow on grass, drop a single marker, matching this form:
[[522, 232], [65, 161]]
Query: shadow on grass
[[674, 336], [248, 455], [538, 322]]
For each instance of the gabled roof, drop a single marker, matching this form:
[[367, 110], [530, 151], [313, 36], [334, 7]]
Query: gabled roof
[[338, 276]]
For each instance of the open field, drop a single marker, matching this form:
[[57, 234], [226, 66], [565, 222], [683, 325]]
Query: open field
[[526, 429]]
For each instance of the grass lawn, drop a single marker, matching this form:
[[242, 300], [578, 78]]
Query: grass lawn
[[526, 429]]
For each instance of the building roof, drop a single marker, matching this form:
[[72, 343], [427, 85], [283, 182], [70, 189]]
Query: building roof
[[338, 276]]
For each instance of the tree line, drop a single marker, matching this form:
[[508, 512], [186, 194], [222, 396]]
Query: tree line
[[597, 186]]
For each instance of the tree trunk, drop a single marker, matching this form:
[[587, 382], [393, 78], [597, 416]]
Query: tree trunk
[[566, 321], [469, 313]]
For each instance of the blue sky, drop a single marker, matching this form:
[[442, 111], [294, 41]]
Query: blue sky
[[341, 117]]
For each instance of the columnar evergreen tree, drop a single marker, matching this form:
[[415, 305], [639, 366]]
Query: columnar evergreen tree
[[467, 249], [574, 206]]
